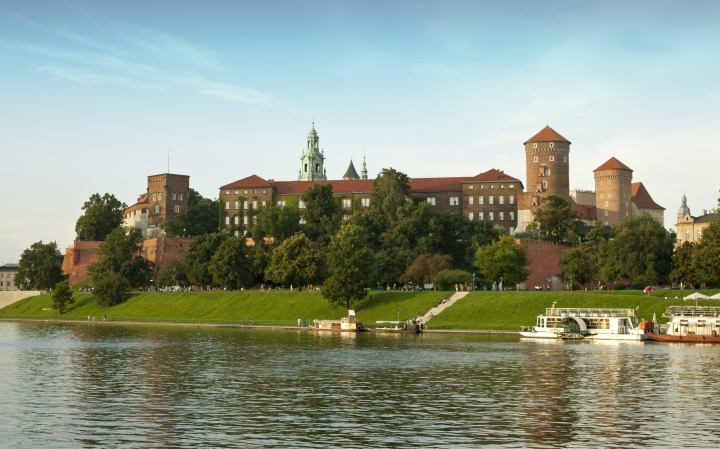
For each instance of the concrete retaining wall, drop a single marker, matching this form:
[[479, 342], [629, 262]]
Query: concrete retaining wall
[[7, 298]]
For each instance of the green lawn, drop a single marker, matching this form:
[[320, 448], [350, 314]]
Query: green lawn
[[228, 307], [511, 310]]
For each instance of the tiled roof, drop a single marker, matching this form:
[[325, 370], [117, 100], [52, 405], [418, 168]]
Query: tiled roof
[[613, 164], [642, 198], [250, 181], [339, 186], [706, 218], [584, 212], [547, 134], [493, 175]]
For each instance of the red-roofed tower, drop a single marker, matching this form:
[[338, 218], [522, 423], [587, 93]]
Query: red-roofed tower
[[613, 192]]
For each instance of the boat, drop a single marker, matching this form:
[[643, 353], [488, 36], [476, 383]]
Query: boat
[[587, 323], [398, 327], [344, 324], [690, 324]]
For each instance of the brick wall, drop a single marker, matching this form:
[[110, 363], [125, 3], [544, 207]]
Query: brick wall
[[545, 263], [162, 250]]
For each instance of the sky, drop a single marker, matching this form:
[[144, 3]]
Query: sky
[[95, 94]]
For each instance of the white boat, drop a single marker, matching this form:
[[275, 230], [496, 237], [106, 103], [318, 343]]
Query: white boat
[[590, 323], [691, 325]]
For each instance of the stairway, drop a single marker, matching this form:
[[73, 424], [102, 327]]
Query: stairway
[[433, 312]]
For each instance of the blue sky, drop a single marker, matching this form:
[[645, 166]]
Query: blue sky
[[94, 94]]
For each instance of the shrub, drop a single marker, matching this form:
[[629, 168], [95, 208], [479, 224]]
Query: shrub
[[62, 297], [446, 279], [110, 289], [619, 285], [638, 285]]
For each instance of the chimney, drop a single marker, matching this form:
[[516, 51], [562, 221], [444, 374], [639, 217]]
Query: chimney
[[271, 181]]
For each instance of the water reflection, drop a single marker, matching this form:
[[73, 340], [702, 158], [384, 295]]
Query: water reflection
[[89, 385]]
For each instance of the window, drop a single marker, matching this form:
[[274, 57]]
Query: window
[[245, 220], [699, 233], [491, 215], [492, 186], [177, 209], [470, 200], [565, 159], [552, 145], [227, 221], [502, 186], [227, 192], [159, 196], [365, 202], [481, 200], [237, 205], [609, 195], [481, 215], [501, 199], [346, 217], [512, 215], [237, 220], [302, 220], [511, 199], [470, 187], [264, 191], [281, 203], [535, 158], [244, 192], [626, 204], [154, 197], [470, 216], [511, 230], [157, 209], [511, 186], [606, 213], [227, 205], [535, 146], [255, 219], [491, 199], [317, 167], [173, 195], [431, 201], [454, 201], [346, 203], [254, 204], [236, 192], [254, 192], [606, 204], [601, 195], [687, 235], [544, 184], [552, 158], [481, 186], [501, 215], [237, 234], [245, 204], [301, 204], [180, 196], [263, 203]]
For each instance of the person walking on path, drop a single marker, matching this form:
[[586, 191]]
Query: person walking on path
[[456, 288], [299, 321]]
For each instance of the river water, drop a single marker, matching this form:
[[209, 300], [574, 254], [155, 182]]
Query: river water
[[95, 385]]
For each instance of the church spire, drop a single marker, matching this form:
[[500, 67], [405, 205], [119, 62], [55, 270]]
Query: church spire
[[313, 159], [363, 172]]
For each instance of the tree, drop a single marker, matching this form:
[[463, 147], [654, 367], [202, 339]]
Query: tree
[[389, 191], [295, 261], [706, 260], [319, 203], [102, 215], [446, 279], [276, 222], [505, 259], [199, 256], [557, 221], [577, 266], [62, 297], [172, 274], [424, 269], [231, 264], [349, 265], [683, 271], [40, 267], [202, 217], [110, 289], [121, 253]]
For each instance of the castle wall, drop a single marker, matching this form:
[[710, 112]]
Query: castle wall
[[613, 193], [544, 263]]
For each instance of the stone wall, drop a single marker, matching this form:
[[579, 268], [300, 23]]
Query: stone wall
[[7, 298], [78, 258], [162, 250], [545, 263]]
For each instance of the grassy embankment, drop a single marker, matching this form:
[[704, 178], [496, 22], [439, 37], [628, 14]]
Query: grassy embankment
[[279, 308], [510, 310]]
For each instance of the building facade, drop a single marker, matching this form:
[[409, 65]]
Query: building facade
[[689, 228], [613, 187], [7, 277], [166, 198]]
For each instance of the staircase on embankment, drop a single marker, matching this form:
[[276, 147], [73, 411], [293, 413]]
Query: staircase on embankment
[[433, 312]]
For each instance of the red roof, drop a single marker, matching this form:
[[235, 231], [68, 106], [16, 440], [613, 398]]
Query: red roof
[[493, 175], [613, 163], [250, 181], [642, 198], [584, 212], [547, 134], [339, 186]]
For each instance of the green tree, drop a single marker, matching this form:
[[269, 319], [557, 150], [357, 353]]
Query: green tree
[[425, 267], [102, 215], [683, 271], [557, 221], [40, 267], [706, 259], [295, 261], [319, 203], [62, 297], [202, 217], [200, 254], [121, 253], [172, 274], [505, 259], [350, 264], [447, 279], [389, 191], [277, 222], [231, 264], [110, 289], [578, 266]]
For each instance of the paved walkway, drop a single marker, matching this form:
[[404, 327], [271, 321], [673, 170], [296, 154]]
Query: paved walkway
[[439, 308]]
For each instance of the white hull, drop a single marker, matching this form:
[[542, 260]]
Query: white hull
[[539, 334], [628, 337]]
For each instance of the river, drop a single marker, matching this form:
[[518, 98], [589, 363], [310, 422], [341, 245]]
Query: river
[[94, 385]]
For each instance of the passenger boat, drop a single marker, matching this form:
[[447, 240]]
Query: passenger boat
[[344, 324], [691, 325], [596, 324], [399, 327]]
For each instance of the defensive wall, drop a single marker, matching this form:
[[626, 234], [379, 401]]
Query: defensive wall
[[544, 263]]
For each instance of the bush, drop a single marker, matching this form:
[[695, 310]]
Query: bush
[[446, 279], [638, 285], [62, 297], [110, 289], [619, 285]]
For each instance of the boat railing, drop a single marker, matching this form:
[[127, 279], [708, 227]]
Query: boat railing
[[699, 311], [589, 312]]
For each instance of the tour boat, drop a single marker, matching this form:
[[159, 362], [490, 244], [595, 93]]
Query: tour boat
[[691, 324], [596, 324], [344, 324]]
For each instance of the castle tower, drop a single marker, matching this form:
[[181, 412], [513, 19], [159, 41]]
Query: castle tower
[[684, 211], [547, 164], [613, 192], [313, 159], [363, 173], [167, 198], [351, 173]]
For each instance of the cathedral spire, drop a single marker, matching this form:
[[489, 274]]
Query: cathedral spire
[[313, 158], [363, 172]]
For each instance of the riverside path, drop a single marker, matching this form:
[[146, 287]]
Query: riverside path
[[434, 311]]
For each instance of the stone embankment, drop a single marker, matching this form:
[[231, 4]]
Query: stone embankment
[[7, 298]]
